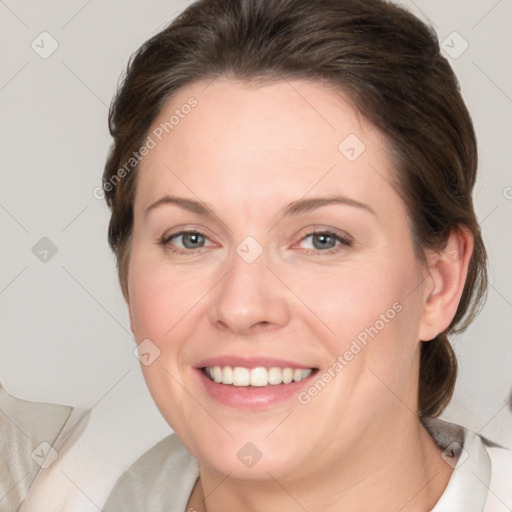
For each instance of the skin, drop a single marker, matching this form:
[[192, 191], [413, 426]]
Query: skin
[[248, 151]]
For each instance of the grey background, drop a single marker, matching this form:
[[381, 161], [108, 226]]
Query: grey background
[[64, 334]]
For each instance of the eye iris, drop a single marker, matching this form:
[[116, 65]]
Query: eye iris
[[323, 241], [192, 240]]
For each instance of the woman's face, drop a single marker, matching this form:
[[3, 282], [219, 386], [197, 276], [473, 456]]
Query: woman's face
[[297, 263]]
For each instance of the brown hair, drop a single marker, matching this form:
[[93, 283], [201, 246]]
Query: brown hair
[[383, 58]]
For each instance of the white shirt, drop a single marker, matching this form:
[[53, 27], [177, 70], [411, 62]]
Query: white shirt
[[162, 479]]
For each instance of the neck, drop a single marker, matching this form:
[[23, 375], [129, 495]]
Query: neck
[[402, 470]]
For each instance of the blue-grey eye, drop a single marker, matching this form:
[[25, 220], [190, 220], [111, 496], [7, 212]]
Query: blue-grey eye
[[192, 240], [323, 241]]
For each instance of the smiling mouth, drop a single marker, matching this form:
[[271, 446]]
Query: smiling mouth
[[240, 376]]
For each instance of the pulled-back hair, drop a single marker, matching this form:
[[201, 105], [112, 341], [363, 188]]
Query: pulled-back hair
[[385, 60]]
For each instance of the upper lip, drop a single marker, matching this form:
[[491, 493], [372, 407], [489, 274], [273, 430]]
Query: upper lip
[[250, 362]]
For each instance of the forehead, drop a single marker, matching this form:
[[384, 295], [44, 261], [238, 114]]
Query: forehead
[[232, 141]]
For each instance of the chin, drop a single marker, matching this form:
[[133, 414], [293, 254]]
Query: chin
[[250, 457]]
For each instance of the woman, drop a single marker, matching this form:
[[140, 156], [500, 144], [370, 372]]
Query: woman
[[290, 185]]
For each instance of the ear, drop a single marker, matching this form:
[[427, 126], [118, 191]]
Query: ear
[[447, 272]]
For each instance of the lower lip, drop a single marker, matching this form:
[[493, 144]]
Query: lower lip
[[252, 398]]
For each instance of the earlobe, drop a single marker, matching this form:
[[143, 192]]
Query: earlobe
[[447, 272]]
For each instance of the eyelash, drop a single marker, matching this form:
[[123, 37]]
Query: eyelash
[[345, 241]]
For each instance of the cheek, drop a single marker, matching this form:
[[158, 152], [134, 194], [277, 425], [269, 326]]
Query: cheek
[[168, 306], [374, 315], [150, 308], [371, 309], [159, 296], [353, 297]]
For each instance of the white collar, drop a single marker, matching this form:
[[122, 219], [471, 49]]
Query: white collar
[[469, 484]]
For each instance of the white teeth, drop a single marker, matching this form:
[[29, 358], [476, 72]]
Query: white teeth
[[227, 375], [241, 376], [217, 374], [275, 376], [287, 375], [297, 375], [257, 377]]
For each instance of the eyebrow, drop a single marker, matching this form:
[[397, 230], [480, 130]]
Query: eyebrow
[[306, 205], [294, 208]]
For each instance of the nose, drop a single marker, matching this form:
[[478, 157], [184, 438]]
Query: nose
[[249, 299]]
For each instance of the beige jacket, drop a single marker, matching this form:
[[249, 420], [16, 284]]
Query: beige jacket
[[27, 433]]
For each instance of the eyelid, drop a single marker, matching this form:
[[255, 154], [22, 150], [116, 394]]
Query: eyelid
[[337, 233], [175, 234], [343, 242], [188, 228], [342, 237]]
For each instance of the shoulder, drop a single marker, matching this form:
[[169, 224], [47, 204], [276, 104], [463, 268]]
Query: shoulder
[[27, 431], [160, 480]]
